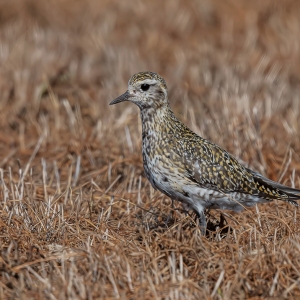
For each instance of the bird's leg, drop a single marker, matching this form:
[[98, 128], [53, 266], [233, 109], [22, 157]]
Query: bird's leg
[[202, 221], [223, 221]]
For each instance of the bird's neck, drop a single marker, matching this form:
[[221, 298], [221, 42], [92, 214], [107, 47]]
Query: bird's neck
[[157, 119]]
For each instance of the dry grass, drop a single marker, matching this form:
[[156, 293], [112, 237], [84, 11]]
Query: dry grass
[[78, 218]]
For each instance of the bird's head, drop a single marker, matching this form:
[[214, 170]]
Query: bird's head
[[146, 90]]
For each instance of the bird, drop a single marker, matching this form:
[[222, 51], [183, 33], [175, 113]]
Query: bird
[[188, 168]]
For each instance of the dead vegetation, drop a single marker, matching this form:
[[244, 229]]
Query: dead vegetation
[[78, 218]]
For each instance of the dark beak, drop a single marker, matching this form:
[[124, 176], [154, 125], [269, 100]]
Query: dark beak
[[123, 97]]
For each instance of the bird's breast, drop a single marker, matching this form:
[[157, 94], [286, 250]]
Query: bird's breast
[[163, 164]]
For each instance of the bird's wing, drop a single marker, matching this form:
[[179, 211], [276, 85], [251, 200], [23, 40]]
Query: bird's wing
[[212, 167]]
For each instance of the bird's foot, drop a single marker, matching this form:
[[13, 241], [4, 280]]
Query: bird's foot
[[218, 226]]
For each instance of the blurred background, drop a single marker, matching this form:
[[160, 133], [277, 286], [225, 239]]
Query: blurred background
[[71, 166], [227, 64]]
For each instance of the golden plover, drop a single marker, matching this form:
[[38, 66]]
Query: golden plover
[[189, 168]]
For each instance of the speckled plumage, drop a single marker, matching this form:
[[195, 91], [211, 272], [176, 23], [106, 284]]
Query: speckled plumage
[[188, 168]]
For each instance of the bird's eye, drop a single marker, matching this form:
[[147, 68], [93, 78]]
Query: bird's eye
[[145, 87]]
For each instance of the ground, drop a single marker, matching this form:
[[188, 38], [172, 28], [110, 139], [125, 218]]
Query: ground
[[79, 220]]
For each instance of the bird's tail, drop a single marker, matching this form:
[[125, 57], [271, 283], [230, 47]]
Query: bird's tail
[[281, 191]]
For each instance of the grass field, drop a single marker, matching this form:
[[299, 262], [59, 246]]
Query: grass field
[[79, 220]]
